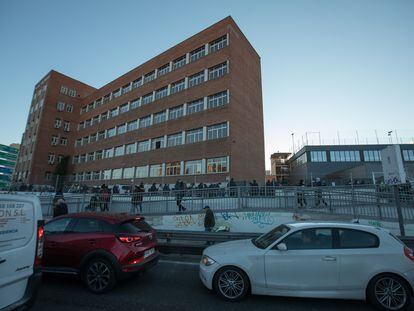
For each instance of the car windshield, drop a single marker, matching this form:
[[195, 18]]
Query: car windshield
[[268, 238]]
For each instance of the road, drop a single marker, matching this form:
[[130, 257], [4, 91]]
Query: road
[[171, 285]]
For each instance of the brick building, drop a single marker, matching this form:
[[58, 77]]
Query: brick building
[[193, 112]]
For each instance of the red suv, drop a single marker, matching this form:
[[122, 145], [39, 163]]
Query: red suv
[[101, 248]]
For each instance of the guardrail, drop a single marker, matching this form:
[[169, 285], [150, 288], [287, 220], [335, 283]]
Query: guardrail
[[194, 242]]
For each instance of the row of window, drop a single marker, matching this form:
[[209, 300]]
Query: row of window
[[58, 124], [56, 140], [61, 107], [177, 168], [51, 158], [67, 91], [212, 101], [215, 131], [194, 55], [196, 79], [408, 155]]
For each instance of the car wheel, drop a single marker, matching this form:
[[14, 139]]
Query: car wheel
[[99, 275], [389, 292], [231, 283]]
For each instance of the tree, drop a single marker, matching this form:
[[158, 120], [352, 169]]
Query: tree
[[60, 173]]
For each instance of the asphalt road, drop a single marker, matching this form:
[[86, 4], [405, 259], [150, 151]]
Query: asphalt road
[[171, 286]]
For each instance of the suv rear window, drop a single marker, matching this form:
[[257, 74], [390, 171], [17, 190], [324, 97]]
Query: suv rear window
[[350, 238], [134, 226]]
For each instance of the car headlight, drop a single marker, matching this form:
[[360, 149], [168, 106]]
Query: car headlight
[[207, 261]]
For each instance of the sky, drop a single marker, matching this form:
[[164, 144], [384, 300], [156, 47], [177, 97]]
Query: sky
[[339, 70]]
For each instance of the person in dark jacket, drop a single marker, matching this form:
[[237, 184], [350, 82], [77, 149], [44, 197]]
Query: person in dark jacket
[[209, 221], [179, 194], [61, 208], [105, 198], [137, 198]]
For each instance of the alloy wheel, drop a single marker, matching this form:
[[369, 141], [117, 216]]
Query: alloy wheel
[[390, 293], [98, 276], [231, 284]]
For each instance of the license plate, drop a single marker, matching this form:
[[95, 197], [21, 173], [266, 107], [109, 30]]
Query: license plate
[[149, 252]]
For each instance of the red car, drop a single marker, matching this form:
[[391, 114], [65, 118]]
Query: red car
[[100, 248]]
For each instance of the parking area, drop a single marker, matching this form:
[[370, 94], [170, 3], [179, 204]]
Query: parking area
[[172, 285]]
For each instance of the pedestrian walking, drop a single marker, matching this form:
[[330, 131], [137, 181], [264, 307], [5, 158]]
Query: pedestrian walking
[[179, 194], [209, 221], [137, 197], [301, 194], [105, 197]]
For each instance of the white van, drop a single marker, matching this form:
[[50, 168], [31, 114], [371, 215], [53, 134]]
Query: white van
[[21, 249]]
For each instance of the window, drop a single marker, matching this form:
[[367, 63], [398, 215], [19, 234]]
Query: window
[[315, 238], [64, 90], [349, 238], [109, 153], [58, 123], [196, 79], [106, 98], [195, 106], [87, 123], [318, 156], [163, 70], [194, 136], [143, 146], [149, 77], [129, 172], [88, 176], [217, 165], [98, 102], [69, 108], [66, 126], [78, 143], [117, 173], [113, 113], [95, 120], [96, 175], [72, 93], [134, 103], [98, 155], [176, 112], [141, 172], [133, 125], [57, 226], [173, 169], [137, 83], [124, 108], [174, 140], [91, 157], [160, 117], [156, 170], [145, 122], [197, 53], [55, 140], [217, 131], [218, 44], [157, 143], [345, 156], [61, 106], [217, 71], [217, 100], [119, 151], [59, 158], [48, 176], [116, 93], [179, 62], [192, 167], [51, 158], [90, 106], [177, 86], [160, 93], [131, 148], [111, 132], [146, 99], [101, 135], [82, 158], [302, 159], [121, 129], [107, 174], [126, 88], [64, 141], [372, 156], [408, 155], [104, 116]]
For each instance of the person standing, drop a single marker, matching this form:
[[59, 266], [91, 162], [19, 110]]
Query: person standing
[[105, 198], [61, 208], [137, 198], [179, 194], [209, 221]]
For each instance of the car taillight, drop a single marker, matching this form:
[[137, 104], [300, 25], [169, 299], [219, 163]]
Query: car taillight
[[39, 244], [129, 239], [408, 252]]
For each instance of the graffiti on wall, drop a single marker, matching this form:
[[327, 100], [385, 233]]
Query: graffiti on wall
[[184, 221], [261, 219]]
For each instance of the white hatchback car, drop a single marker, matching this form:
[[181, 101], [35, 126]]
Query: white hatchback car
[[318, 260]]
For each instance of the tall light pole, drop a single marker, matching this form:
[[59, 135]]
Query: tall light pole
[[293, 143], [390, 137]]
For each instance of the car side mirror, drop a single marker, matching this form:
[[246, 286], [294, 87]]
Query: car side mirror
[[282, 247]]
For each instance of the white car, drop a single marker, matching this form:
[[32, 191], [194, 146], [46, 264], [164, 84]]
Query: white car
[[317, 260], [21, 250]]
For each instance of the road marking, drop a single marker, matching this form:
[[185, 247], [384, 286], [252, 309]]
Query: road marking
[[188, 263]]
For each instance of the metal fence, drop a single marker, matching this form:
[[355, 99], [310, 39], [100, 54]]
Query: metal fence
[[394, 203]]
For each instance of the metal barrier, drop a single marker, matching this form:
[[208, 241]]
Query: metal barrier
[[376, 202]]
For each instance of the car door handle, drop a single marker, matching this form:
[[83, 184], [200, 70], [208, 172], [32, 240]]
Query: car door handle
[[329, 258], [2, 261]]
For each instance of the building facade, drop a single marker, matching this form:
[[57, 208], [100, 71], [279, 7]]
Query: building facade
[[343, 164], [193, 112], [8, 158]]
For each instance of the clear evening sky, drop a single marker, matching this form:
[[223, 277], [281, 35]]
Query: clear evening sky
[[327, 66]]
